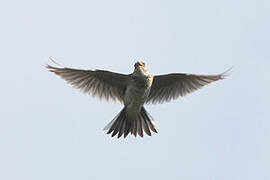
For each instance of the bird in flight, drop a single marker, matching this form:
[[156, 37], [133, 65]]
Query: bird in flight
[[133, 91]]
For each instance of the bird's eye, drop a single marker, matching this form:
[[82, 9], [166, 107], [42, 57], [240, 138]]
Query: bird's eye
[[143, 64]]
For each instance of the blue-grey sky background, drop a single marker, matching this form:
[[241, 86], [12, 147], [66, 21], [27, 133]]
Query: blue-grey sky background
[[49, 130]]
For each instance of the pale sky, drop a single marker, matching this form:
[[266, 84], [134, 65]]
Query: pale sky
[[50, 131]]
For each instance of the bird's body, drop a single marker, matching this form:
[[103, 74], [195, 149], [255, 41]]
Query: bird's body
[[137, 92], [134, 90]]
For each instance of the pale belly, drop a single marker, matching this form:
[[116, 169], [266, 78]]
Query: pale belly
[[134, 99]]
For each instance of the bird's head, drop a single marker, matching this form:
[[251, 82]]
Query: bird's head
[[140, 68], [139, 64]]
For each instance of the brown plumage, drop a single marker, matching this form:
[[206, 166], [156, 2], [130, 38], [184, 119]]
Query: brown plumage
[[133, 90]]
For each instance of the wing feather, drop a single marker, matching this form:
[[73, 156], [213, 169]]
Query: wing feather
[[172, 86], [99, 83]]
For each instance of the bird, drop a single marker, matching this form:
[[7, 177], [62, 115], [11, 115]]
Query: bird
[[133, 91]]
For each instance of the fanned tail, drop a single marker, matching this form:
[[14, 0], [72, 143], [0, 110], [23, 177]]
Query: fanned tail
[[121, 125]]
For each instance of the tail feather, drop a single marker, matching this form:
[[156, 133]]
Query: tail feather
[[148, 118], [112, 128], [117, 127], [121, 125], [145, 127], [122, 128], [134, 128], [139, 126], [127, 128]]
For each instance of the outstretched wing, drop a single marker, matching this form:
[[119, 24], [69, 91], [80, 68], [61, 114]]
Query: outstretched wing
[[171, 86], [103, 84]]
